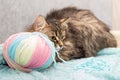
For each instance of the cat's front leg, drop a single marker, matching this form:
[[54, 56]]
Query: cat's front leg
[[65, 55]]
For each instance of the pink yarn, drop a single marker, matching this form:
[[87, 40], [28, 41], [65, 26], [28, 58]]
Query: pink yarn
[[40, 54]]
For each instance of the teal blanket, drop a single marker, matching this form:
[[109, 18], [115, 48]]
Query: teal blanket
[[106, 66]]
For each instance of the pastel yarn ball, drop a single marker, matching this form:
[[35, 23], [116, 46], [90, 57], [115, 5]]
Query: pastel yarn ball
[[27, 51]]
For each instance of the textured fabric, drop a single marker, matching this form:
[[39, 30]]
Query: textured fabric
[[106, 66]]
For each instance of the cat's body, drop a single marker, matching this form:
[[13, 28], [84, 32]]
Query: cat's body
[[77, 33]]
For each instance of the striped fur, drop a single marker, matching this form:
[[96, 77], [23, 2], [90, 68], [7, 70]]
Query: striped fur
[[79, 32]]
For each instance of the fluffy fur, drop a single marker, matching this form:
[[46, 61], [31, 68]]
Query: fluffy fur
[[77, 33]]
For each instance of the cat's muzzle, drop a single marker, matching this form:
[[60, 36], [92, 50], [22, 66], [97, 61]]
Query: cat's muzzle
[[58, 48]]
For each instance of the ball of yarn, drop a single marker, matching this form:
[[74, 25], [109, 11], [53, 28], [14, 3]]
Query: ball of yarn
[[27, 51]]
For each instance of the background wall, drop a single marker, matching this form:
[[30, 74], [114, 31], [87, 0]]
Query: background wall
[[15, 15], [116, 15]]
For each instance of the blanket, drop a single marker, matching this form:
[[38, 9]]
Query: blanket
[[105, 66]]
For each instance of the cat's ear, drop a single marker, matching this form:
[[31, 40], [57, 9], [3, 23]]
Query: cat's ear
[[64, 20], [39, 23]]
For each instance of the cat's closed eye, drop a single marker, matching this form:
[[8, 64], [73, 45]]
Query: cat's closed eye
[[53, 37]]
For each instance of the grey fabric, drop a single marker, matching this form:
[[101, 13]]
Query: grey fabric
[[15, 15]]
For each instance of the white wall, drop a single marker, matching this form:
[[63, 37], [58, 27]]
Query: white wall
[[116, 15], [15, 15]]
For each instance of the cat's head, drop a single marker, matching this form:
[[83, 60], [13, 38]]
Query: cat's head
[[54, 29]]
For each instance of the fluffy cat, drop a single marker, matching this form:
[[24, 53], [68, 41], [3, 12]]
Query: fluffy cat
[[77, 33]]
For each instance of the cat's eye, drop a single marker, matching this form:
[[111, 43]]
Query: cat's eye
[[53, 37]]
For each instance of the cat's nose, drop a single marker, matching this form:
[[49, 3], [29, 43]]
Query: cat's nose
[[61, 45]]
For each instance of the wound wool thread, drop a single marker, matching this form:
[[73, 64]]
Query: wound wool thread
[[26, 51]]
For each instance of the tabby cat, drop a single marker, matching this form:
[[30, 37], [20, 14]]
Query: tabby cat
[[77, 33]]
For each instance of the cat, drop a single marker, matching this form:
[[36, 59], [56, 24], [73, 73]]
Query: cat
[[76, 33]]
